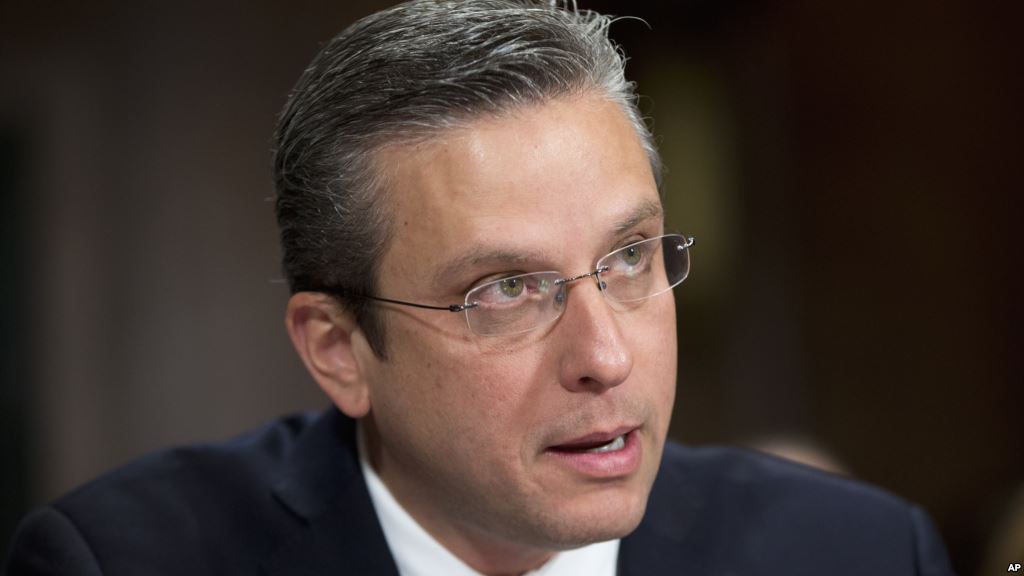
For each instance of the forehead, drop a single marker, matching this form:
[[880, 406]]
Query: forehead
[[566, 173]]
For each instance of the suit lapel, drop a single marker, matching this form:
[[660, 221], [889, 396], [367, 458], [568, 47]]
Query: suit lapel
[[336, 529]]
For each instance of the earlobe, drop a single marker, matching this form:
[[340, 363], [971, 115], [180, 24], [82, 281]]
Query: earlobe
[[323, 336]]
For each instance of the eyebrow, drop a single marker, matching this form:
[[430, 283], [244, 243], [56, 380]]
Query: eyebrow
[[649, 210], [480, 255]]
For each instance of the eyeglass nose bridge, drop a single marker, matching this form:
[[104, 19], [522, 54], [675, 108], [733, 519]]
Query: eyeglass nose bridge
[[596, 274]]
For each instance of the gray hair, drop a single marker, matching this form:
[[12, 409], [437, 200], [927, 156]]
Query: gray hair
[[406, 74]]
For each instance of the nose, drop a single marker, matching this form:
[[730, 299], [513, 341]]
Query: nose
[[594, 354]]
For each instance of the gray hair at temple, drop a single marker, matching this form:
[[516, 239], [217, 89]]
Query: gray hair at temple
[[408, 74]]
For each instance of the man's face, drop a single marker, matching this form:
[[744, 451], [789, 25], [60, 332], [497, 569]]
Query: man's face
[[473, 433]]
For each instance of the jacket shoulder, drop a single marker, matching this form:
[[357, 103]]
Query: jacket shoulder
[[189, 475], [170, 509], [739, 510], [761, 479]]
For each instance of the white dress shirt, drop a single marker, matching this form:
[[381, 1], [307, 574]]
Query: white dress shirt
[[417, 553]]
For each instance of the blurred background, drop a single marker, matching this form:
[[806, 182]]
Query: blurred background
[[851, 171]]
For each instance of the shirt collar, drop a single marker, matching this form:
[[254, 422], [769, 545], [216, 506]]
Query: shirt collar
[[417, 553]]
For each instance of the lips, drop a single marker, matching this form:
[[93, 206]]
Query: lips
[[600, 455], [592, 440]]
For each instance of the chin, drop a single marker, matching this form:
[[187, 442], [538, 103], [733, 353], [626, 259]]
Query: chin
[[596, 518]]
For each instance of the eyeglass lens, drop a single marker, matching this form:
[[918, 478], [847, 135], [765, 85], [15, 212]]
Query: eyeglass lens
[[634, 272]]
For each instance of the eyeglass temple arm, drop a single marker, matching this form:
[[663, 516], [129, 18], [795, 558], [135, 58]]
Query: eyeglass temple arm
[[450, 307]]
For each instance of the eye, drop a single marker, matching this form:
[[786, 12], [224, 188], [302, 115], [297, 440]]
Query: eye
[[506, 291], [632, 255], [629, 261], [511, 287]]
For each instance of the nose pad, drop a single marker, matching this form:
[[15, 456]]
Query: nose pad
[[563, 291], [560, 296]]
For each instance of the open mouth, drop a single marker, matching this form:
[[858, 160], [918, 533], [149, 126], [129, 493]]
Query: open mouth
[[601, 455], [598, 443], [615, 444]]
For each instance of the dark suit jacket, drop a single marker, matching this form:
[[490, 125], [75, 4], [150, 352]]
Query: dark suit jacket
[[289, 499]]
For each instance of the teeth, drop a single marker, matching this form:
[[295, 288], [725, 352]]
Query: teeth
[[617, 444]]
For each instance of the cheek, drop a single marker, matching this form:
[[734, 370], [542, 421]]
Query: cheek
[[656, 350], [472, 395], [499, 405]]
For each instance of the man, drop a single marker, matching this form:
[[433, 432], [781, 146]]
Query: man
[[468, 202]]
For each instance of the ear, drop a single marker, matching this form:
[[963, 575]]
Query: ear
[[326, 338]]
